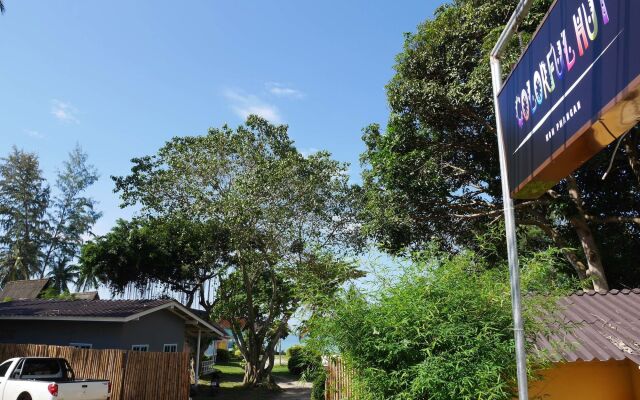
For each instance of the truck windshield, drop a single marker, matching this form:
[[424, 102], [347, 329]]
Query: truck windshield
[[44, 368]]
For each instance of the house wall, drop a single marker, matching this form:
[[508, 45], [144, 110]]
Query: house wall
[[596, 380], [154, 329], [634, 373]]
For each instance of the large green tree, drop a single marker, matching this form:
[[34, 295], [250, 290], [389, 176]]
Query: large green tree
[[41, 234], [434, 171], [72, 213], [290, 220], [24, 199], [175, 254]]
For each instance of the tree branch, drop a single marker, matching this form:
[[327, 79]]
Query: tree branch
[[612, 220], [496, 212]]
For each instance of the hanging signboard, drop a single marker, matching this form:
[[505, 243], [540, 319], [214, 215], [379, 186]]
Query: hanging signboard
[[573, 92]]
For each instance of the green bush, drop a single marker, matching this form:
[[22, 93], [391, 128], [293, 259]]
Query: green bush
[[303, 361], [443, 330], [223, 356], [237, 354], [317, 391], [294, 350]]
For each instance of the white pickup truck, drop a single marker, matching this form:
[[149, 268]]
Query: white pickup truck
[[44, 378]]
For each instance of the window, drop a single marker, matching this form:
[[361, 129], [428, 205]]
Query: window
[[81, 345], [140, 347], [170, 348], [4, 368], [42, 368]]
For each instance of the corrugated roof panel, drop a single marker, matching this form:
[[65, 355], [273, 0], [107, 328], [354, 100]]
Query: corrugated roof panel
[[607, 326]]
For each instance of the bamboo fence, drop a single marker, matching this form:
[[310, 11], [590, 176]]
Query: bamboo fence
[[133, 375], [339, 383]]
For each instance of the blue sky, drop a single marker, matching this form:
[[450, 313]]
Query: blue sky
[[122, 77]]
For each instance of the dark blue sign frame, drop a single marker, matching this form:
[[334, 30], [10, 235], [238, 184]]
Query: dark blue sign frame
[[583, 60]]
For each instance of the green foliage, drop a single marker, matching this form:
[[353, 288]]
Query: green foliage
[[318, 388], [304, 361], [24, 199], [438, 158], [433, 173], [443, 330], [62, 274], [222, 355], [237, 353], [176, 252], [71, 216], [288, 225], [52, 293], [41, 234], [294, 350]]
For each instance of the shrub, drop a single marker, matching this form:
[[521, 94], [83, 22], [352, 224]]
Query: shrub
[[303, 361], [443, 330], [294, 350], [223, 356], [317, 391], [237, 354]]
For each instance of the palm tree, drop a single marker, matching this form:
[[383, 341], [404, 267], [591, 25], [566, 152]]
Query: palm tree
[[1, 7], [63, 273], [88, 278]]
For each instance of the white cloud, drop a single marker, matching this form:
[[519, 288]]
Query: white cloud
[[280, 90], [64, 111], [33, 134], [246, 104]]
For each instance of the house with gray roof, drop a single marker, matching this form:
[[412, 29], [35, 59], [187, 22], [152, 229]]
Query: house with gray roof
[[162, 325]]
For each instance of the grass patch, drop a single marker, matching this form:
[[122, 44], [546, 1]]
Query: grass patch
[[232, 373]]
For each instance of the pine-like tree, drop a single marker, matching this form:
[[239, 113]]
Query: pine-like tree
[[71, 215], [24, 198]]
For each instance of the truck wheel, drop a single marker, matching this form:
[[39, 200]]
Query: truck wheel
[[24, 396]]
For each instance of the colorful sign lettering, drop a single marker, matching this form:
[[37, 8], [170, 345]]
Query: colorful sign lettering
[[573, 92]]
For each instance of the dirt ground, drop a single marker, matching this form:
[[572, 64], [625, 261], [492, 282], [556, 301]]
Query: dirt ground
[[291, 390]]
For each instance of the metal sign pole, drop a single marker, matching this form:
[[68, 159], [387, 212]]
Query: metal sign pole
[[512, 248], [509, 216]]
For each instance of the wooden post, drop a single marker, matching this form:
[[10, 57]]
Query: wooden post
[[198, 360]]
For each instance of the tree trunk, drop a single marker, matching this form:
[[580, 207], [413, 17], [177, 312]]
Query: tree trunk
[[595, 268], [258, 373], [259, 358]]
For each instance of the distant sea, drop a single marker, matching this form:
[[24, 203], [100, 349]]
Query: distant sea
[[289, 341]]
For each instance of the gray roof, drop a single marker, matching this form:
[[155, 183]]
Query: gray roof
[[603, 326], [78, 308], [19, 290], [102, 310], [86, 296]]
